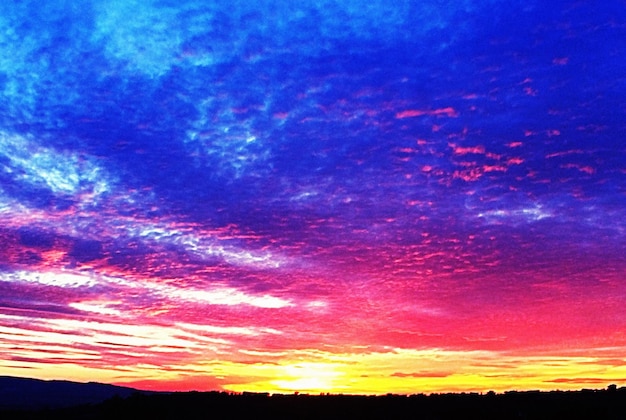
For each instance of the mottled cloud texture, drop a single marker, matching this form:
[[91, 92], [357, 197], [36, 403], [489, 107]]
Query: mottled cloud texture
[[323, 196]]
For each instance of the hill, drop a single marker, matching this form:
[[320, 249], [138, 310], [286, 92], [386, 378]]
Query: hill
[[32, 394]]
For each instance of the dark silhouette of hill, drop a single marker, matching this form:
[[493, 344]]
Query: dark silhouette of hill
[[31, 394], [585, 404]]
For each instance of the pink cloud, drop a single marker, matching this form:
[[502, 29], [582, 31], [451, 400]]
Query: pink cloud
[[410, 113], [458, 150]]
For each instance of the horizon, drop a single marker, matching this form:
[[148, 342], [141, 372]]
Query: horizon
[[609, 387], [93, 400], [324, 197]]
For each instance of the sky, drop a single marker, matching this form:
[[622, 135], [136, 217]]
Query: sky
[[314, 196]]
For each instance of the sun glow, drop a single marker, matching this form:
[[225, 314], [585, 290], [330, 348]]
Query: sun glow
[[308, 377]]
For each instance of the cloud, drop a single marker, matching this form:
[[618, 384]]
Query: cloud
[[148, 43], [424, 374], [590, 381], [447, 112], [64, 174], [56, 279]]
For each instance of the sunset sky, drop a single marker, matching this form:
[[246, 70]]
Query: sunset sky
[[318, 196]]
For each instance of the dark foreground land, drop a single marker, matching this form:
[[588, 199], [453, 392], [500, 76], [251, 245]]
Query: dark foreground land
[[586, 404]]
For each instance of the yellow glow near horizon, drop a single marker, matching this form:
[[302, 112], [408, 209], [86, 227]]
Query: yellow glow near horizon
[[115, 353], [413, 371], [373, 373]]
